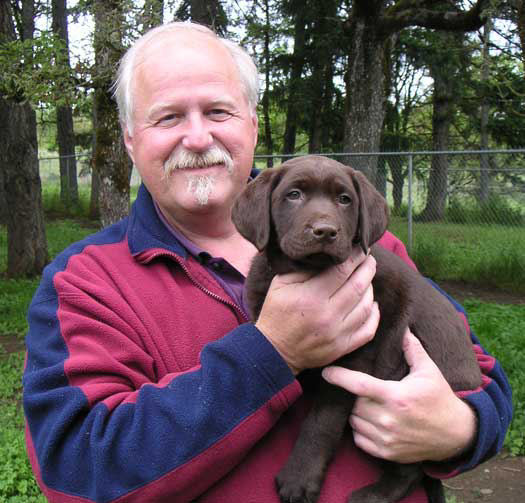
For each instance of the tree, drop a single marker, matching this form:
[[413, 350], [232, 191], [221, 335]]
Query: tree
[[370, 27], [520, 22], [298, 59], [445, 67], [26, 239], [324, 37], [65, 131], [207, 12], [111, 165], [484, 175], [152, 14], [267, 137]]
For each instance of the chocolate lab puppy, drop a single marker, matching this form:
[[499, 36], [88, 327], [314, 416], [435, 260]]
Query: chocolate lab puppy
[[307, 214]]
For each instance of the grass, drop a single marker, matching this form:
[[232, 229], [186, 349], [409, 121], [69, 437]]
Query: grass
[[443, 251], [501, 329], [490, 255]]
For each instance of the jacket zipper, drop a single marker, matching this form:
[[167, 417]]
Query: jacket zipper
[[198, 285]]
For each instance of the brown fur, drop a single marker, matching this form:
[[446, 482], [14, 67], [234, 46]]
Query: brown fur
[[308, 214]]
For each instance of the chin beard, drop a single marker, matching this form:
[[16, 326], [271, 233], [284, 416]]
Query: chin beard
[[201, 187]]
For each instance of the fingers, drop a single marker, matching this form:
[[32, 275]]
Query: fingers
[[329, 281], [415, 353], [358, 383], [366, 331]]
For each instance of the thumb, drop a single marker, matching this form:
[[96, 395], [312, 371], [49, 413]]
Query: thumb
[[415, 354]]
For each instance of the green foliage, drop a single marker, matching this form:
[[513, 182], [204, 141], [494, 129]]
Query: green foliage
[[37, 70], [17, 483], [501, 330], [497, 210]]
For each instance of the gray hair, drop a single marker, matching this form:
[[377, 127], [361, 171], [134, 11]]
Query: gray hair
[[122, 87]]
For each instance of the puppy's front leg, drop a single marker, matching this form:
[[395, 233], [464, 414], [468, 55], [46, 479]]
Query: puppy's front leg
[[301, 478]]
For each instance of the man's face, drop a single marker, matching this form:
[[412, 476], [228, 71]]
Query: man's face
[[188, 103]]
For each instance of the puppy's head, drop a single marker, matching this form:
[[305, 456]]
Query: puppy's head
[[313, 209]]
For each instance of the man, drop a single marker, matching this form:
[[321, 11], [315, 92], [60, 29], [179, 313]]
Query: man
[[145, 380]]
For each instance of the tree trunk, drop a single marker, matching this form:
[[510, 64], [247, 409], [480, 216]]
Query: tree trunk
[[209, 13], [370, 27], [322, 61], [110, 161], [26, 238], [293, 105], [65, 132], [484, 174], [268, 140], [443, 73], [365, 96], [521, 26]]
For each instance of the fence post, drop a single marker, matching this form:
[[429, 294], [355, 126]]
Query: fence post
[[409, 239]]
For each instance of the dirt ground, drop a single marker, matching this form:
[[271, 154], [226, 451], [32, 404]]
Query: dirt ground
[[499, 480]]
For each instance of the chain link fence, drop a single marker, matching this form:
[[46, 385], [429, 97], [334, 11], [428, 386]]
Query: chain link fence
[[470, 188], [466, 188]]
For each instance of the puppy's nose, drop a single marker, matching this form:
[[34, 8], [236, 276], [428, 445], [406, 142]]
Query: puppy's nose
[[324, 232]]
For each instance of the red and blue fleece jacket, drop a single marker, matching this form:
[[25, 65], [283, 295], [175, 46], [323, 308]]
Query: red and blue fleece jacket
[[145, 382]]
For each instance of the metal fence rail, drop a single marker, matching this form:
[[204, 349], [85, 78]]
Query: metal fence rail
[[477, 187]]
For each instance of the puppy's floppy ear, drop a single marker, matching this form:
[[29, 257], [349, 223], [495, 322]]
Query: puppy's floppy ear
[[373, 212], [251, 210]]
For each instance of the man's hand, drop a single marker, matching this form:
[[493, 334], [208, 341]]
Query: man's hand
[[314, 319], [418, 418]]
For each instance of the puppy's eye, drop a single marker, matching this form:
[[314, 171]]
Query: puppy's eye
[[344, 199], [293, 194]]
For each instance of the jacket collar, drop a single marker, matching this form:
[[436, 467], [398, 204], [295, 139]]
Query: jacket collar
[[147, 232], [145, 229]]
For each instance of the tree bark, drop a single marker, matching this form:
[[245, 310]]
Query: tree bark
[[293, 104], [443, 71], [268, 140], [370, 26], [110, 161], [209, 13], [322, 72], [484, 175], [26, 239], [365, 94], [521, 26], [65, 128]]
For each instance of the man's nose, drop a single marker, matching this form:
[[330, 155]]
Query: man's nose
[[197, 136]]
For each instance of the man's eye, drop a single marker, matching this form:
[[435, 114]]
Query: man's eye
[[293, 194], [168, 118], [344, 199], [219, 114]]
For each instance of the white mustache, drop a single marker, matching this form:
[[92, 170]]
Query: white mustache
[[184, 159]]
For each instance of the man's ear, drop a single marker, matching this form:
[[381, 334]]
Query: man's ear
[[255, 122], [128, 141], [373, 212], [251, 212]]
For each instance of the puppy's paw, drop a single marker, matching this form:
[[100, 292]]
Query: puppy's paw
[[294, 487]]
